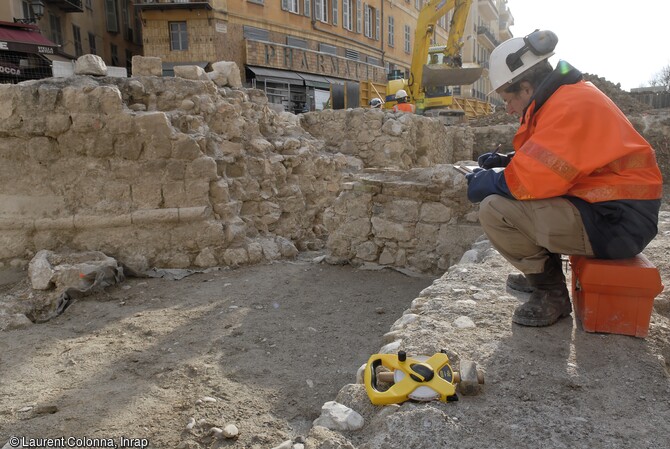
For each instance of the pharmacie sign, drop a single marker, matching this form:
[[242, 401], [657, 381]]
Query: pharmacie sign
[[26, 48]]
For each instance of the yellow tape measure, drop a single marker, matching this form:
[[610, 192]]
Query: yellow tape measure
[[419, 378]]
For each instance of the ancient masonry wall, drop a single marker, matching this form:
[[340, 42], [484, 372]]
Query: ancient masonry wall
[[174, 172]]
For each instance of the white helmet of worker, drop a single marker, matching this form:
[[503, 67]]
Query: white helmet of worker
[[515, 56], [375, 103], [400, 94]]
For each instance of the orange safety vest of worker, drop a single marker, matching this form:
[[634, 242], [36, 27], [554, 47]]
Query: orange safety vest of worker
[[403, 107], [580, 144]]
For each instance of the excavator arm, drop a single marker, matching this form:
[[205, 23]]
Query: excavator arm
[[449, 72]]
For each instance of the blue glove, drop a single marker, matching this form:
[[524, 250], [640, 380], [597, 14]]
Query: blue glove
[[491, 160], [469, 176], [483, 183]]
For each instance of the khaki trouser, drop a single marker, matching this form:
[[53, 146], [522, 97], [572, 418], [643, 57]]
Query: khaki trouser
[[524, 232]]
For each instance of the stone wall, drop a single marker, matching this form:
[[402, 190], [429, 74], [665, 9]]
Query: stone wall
[[417, 220], [176, 172]]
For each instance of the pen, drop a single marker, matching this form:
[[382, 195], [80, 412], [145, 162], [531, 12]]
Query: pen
[[496, 149]]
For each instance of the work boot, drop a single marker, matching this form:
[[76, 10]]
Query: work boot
[[519, 283], [550, 301]]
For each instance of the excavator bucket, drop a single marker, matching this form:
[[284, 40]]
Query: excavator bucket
[[437, 75]]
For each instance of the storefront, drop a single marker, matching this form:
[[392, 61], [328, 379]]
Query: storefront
[[24, 53], [296, 91]]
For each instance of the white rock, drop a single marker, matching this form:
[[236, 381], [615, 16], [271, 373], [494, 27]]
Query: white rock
[[40, 271], [336, 416], [463, 322], [391, 347], [90, 65], [288, 444], [230, 431]]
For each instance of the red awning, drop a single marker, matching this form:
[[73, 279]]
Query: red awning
[[24, 38]]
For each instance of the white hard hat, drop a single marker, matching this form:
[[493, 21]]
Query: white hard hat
[[375, 102], [515, 56], [400, 94]]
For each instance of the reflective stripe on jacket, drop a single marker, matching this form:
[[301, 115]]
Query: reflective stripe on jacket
[[580, 144]]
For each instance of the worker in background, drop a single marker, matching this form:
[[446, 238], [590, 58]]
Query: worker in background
[[582, 180], [375, 103], [402, 99]]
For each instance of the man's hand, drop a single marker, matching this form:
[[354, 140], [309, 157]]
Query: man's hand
[[492, 160]]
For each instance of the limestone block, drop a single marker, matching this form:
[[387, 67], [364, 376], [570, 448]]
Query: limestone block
[[359, 228], [387, 257], [203, 167], [146, 194], [235, 230], [435, 213], [206, 258], [286, 247], [128, 148], [391, 230], [90, 65], [175, 170], [218, 191], [174, 194], [102, 221], [196, 213], [185, 147], [255, 251], [151, 216], [57, 124], [86, 122], [228, 74], [197, 192], [190, 72], [43, 149], [270, 249], [121, 124], [235, 257], [367, 251], [147, 66], [269, 212], [401, 210]]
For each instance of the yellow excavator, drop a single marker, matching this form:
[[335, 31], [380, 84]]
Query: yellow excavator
[[434, 70]]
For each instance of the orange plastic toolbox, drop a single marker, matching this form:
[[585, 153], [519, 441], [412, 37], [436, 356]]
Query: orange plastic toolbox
[[615, 296]]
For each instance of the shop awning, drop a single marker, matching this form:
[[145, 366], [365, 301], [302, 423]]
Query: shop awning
[[314, 80], [280, 76], [25, 38]]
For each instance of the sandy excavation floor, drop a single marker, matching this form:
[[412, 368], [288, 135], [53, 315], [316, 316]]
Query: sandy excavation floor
[[270, 343]]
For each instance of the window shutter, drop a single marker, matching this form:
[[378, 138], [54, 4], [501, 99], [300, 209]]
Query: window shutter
[[308, 8], [378, 24], [284, 5]]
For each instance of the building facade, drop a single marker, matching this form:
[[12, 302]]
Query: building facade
[[68, 29]]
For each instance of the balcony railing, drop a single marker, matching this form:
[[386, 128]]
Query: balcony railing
[[484, 31], [174, 4], [68, 5]]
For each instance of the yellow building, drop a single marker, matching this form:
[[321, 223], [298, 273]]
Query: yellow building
[[296, 50], [68, 29]]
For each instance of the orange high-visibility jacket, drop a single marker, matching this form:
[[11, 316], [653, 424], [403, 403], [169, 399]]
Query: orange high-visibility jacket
[[403, 107], [580, 144]]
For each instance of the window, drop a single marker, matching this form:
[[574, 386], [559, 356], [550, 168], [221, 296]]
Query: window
[[290, 6], [255, 34], [296, 42], [327, 48], [308, 8], [391, 39], [321, 10], [367, 24], [129, 61], [417, 4], [89, 4], [335, 11], [378, 24], [27, 13], [92, 48], [76, 34], [115, 55], [178, 36], [56, 31], [408, 47], [359, 16], [347, 22], [111, 16]]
